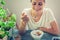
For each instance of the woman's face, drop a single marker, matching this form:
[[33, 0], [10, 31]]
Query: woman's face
[[38, 5]]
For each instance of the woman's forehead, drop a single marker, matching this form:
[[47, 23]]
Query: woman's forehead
[[37, 0]]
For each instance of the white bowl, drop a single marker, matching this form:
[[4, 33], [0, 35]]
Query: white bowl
[[35, 36]]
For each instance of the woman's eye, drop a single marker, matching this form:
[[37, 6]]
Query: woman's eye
[[40, 3], [34, 3]]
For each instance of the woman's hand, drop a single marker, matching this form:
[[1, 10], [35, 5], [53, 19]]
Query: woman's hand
[[23, 21], [24, 18], [42, 28]]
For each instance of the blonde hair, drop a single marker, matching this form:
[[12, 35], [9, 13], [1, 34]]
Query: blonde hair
[[31, 0]]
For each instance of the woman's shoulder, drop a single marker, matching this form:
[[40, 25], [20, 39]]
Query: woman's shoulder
[[46, 9], [26, 10], [48, 12]]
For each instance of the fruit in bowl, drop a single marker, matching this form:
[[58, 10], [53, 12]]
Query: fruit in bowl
[[37, 34]]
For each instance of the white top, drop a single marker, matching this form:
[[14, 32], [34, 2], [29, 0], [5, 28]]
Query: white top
[[45, 20]]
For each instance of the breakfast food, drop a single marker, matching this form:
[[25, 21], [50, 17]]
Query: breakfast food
[[38, 33]]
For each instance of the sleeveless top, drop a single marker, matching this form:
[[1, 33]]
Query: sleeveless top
[[45, 20]]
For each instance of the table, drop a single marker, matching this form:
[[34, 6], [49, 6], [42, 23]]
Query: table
[[46, 36]]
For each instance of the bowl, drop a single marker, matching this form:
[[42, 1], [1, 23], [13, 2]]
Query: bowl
[[37, 34]]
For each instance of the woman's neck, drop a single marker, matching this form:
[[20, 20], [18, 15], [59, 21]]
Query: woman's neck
[[36, 15]]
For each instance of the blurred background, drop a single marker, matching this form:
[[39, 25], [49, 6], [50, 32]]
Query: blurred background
[[17, 6]]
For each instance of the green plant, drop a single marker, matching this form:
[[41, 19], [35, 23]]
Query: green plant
[[2, 13], [2, 34], [12, 17], [6, 21], [2, 2], [8, 25], [2, 24]]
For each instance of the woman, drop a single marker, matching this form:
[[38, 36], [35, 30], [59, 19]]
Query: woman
[[38, 17]]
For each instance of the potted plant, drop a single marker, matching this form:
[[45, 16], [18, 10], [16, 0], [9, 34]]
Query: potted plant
[[7, 22]]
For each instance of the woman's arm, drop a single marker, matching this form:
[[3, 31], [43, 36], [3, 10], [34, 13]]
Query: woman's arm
[[23, 21], [53, 30]]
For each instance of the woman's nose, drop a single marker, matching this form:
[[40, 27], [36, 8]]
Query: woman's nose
[[37, 7]]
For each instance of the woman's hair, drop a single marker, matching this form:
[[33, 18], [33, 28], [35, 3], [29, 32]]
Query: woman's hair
[[31, 0]]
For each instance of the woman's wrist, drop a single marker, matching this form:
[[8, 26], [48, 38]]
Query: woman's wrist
[[24, 22], [22, 25]]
